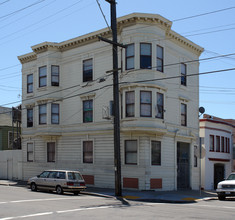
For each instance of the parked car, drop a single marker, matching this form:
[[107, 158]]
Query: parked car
[[59, 181], [226, 187]]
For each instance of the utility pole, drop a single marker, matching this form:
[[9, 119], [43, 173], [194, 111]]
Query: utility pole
[[117, 157]]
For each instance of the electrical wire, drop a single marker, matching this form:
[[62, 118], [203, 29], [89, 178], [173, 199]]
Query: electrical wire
[[4, 2], [127, 82], [22, 9], [103, 14], [203, 14]]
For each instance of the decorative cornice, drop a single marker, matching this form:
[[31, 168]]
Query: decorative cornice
[[122, 22], [27, 57], [173, 36]]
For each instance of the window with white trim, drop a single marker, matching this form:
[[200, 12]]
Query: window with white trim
[[29, 117], [30, 152], [43, 76], [145, 103], [55, 113], [131, 152], [183, 74], [183, 114], [88, 111], [130, 104], [51, 152], [130, 56], [55, 73], [30, 83], [156, 153], [87, 70], [145, 56], [160, 106], [87, 151], [160, 58], [42, 114]]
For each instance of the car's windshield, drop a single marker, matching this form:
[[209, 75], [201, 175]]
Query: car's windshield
[[74, 176], [231, 177]]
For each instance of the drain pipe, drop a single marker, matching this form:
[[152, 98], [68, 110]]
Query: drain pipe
[[175, 160]]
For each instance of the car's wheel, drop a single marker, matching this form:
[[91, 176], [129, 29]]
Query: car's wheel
[[59, 190], [76, 193], [221, 197], [33, 187]]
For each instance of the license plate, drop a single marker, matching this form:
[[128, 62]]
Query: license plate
[[227, 193]]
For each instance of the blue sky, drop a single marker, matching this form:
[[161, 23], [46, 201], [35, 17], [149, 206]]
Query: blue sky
[[26, 23]]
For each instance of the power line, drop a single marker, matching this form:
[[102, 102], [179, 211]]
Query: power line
[[62, 10], [103, 15], [22, 9], [18, 19], [203, 14], [4, 2], [120, 83]]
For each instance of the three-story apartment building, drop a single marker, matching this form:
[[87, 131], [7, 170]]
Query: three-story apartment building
[[67, 89]]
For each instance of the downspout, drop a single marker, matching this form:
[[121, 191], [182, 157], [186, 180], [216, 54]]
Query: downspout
[[175, 160]]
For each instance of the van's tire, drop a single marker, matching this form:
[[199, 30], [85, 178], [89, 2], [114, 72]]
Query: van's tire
[[33, 187], [221, 197], [59, 190], [76, 193]]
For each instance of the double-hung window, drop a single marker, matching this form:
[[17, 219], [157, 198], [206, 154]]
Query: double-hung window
[[30, 83], [183, 114], [87, 151], [160, 58], [55, 73], [131, 152], [212, 143], [42, 114], [55, 113], [130, 56], [145, 103], [160, 106], [29, 117], [145, 56], [30, 152], [88, 111], [130, 104], [183, 74], [87, 70], [217, 143], [51, 152], [222, 144], [156, 152], [42, 76]]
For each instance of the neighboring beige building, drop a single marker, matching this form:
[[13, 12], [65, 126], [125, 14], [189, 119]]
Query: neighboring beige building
[[217, 151], [66, 97]]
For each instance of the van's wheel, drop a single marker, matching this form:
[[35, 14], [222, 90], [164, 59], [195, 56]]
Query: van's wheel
[[76, 193], [59, 190], [221, 197], [33, 187]]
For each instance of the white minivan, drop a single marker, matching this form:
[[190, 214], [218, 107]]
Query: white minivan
[[59, 181]]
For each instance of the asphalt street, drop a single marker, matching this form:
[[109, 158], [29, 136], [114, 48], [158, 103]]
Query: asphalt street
[[21, 203]]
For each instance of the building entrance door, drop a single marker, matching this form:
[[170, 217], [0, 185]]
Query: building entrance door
[[183, 165], [218, 174]]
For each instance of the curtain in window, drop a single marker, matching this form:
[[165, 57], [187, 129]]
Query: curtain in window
[[30, 152], [51, 152], [43, 114], [160, 107], [87, 152], [130, 104]]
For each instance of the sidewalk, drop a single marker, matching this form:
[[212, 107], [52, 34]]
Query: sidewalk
[[180, 196]]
